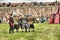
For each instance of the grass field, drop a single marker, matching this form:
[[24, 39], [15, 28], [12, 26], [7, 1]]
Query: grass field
[[43, 31]]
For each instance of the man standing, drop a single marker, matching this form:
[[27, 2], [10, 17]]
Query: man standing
[[20, 22], [31, 23], [25, 24], [16, 23], [11, 24]]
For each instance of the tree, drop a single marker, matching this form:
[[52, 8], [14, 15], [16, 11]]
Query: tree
[[3, 3], [56, 2], [41, 3], [8, 4], [35, 3], [23, 3], [53, 3]]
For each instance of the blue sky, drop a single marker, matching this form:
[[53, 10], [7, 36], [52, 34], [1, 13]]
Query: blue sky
[[28, 0]]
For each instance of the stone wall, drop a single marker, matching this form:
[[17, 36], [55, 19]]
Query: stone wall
[[35, 10]]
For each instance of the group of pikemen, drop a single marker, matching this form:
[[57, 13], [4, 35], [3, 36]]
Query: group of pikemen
[[26, 23]]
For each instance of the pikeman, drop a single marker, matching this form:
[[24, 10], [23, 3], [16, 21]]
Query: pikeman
[[31, 22], [16, 23], [25, 24], [11, 24], [20, 21]]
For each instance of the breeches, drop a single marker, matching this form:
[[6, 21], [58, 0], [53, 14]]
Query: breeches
[[25, 26]]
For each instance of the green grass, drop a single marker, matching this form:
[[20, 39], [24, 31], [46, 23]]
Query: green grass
[[43, 31]]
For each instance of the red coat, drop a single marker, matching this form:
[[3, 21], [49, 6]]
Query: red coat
[[56, 21], [51, 19], [11, 24]]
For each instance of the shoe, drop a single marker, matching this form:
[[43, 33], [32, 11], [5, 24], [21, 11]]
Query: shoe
[[33, 31], [25, 31], [22, 31]]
